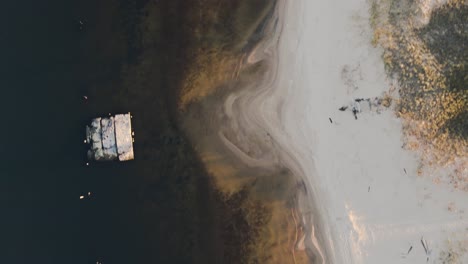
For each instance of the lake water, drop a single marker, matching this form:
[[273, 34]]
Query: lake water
[[144, 211]]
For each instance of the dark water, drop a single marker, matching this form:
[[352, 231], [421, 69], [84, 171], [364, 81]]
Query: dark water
[[156, 209], [41, 172]]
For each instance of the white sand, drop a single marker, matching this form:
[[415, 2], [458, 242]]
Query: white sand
[[341, 161]]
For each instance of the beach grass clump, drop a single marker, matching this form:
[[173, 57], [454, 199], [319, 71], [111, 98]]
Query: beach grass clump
[[446, 36], [429, 60], [453, 252]]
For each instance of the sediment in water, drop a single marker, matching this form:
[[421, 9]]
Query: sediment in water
[[237, 149]]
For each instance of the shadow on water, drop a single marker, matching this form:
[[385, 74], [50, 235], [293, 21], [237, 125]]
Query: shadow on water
[[159, 208]]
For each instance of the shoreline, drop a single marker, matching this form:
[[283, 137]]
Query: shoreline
[[241, 124]]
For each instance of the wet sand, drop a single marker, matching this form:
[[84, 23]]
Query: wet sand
[[241, 151]]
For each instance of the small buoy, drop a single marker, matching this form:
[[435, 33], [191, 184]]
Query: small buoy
[[81, 197], [85, 141], [85, 97], [89, 193], [131, 116], [87, 164], [109, 114]]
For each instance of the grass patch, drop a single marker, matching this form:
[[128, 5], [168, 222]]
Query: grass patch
[[430, 65]]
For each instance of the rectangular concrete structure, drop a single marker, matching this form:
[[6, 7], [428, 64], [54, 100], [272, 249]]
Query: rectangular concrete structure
[[123, 136], [110, 138], [109, 149]]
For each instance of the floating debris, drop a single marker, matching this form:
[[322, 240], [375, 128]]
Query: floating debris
[[81, 24], [356, 109], [360, 105]]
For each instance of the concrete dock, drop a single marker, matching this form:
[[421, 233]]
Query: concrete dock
[[110, 138]]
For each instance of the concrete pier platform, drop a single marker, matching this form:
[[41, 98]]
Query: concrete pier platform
[[110, 138]]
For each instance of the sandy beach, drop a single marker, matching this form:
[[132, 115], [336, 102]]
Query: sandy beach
[[372, 205], [375, 206]]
